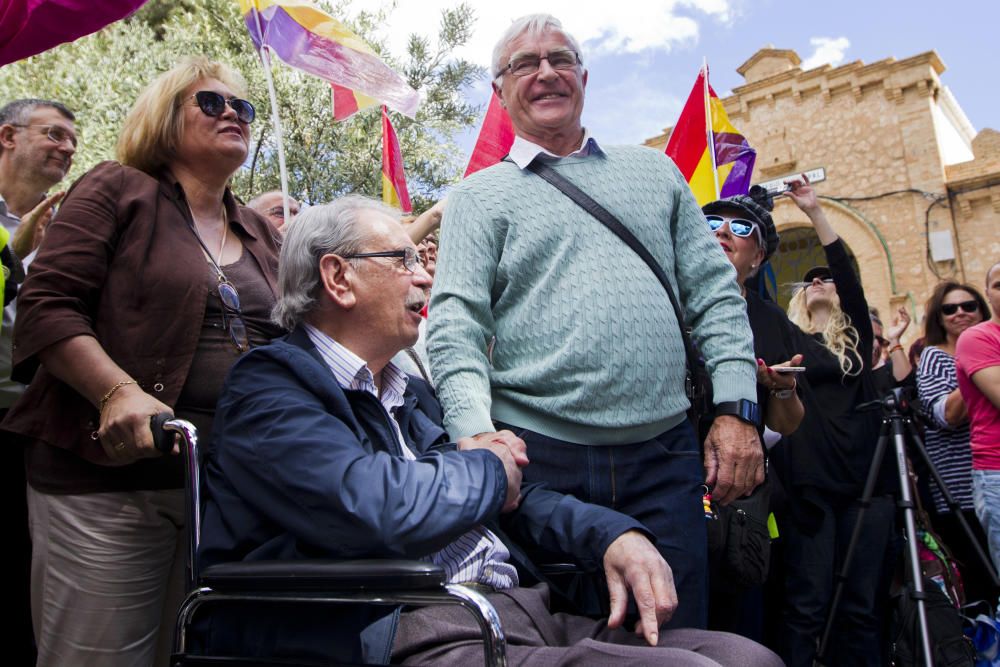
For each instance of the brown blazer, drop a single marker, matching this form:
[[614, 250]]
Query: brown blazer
[[119, 263]]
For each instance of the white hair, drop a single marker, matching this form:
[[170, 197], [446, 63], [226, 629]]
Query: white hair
[[532, 24], [319, 230]]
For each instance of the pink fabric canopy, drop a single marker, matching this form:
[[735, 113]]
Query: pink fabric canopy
[[28, 27]]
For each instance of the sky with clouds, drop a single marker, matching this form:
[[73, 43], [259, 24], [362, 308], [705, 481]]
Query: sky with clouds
[[643, 56]]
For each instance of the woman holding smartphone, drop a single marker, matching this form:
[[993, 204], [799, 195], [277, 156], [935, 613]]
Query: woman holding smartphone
[[745, 230], [747, 235], [824, 464]]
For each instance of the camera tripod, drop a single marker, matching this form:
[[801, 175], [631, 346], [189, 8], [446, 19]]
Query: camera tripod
[[898, 425]]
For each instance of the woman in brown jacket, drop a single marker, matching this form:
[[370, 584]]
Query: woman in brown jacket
[[151, 282]]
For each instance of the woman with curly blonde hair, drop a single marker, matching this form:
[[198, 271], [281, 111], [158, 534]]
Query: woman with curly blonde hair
[[823, 465], [826, 317]]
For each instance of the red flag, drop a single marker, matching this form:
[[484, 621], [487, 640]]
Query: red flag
[[393, 179], [495, 138], [28, 27], [347, 102]]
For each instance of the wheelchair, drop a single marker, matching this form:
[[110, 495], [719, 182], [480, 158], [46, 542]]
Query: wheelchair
[[362, 582]]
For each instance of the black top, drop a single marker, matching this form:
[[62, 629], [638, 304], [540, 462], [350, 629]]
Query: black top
[[831, 451], [773, 340]]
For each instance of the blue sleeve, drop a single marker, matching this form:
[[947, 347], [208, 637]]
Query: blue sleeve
[[565, 526], [299, 458]]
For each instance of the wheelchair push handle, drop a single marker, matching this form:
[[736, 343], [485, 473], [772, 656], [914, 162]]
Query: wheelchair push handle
[[163, 440]]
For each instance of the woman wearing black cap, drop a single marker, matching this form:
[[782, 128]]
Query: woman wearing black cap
[[823, 465], [746, 233]]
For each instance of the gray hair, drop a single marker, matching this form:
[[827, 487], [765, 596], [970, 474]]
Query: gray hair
[[319, 230], [18, 111], [532, 24]]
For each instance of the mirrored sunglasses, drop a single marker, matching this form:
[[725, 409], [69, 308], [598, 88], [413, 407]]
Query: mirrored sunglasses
[[737, 226], [970, 306], [213, 104]]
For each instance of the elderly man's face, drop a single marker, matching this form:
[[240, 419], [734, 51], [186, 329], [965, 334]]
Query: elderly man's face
[[390, 296], [548, 102]]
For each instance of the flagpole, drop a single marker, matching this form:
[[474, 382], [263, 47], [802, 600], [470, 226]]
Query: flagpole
[[709, 135], [265, 57]]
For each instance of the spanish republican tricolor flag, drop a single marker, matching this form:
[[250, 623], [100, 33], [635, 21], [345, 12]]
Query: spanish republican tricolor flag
[[714, 157], [393, 180], [307, 38]]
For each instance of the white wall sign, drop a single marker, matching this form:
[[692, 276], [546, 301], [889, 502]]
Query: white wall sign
[[778, 184]]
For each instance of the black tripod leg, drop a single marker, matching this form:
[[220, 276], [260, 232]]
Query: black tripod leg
[[916, 579], [951, 503], [840, 578]]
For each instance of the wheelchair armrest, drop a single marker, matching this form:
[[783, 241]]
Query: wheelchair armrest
[[324, 575]]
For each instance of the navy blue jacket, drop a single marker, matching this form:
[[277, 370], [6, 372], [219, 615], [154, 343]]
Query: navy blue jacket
[[301, 468]]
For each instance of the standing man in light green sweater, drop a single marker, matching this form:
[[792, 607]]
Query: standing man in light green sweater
[[546, 322]]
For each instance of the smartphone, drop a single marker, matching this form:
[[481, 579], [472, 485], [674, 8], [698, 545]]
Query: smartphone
[[788, 369]]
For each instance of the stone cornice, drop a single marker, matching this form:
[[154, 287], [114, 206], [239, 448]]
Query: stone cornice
[[894, 75]]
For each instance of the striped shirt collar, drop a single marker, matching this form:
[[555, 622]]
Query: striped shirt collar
[[351, 371], [522, 152]]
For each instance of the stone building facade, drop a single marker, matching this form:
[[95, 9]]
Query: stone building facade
[[910, 187]]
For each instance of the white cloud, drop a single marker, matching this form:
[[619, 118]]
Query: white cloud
[[826, 50], [620, 26]]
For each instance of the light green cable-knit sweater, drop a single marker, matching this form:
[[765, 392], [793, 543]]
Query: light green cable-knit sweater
[[587, 348]]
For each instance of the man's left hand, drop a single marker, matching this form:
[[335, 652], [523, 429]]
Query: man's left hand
[[632, 563], [31, 230], [734, 459]]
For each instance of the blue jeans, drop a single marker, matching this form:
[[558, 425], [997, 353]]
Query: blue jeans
[[814, 553], [658, 482], [986, 497]]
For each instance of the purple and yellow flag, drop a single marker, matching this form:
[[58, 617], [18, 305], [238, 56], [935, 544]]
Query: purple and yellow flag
[[704, 117], [306, 38], [394, 191]]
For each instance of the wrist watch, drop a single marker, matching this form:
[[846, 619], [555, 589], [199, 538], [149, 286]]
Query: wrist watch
[[742, 409]]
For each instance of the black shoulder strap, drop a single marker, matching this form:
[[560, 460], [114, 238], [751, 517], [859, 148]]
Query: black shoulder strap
[[584, 201]]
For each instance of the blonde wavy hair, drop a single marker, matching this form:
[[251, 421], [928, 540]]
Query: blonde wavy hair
[[839, 335], [154, 126]]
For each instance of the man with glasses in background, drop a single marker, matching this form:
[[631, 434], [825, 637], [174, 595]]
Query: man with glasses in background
[[586, 361], [37, 142], [270, 205]]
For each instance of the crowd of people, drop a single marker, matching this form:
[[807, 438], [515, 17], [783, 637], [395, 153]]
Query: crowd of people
[[518, 398]]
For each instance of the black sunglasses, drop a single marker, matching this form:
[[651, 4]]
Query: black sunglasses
[[234, 323], [970, 306], [214, 104]]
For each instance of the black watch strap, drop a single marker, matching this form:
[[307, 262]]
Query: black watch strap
[[742, 409]]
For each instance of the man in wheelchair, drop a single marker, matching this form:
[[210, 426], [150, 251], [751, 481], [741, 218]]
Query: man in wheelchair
[[324, 449]]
